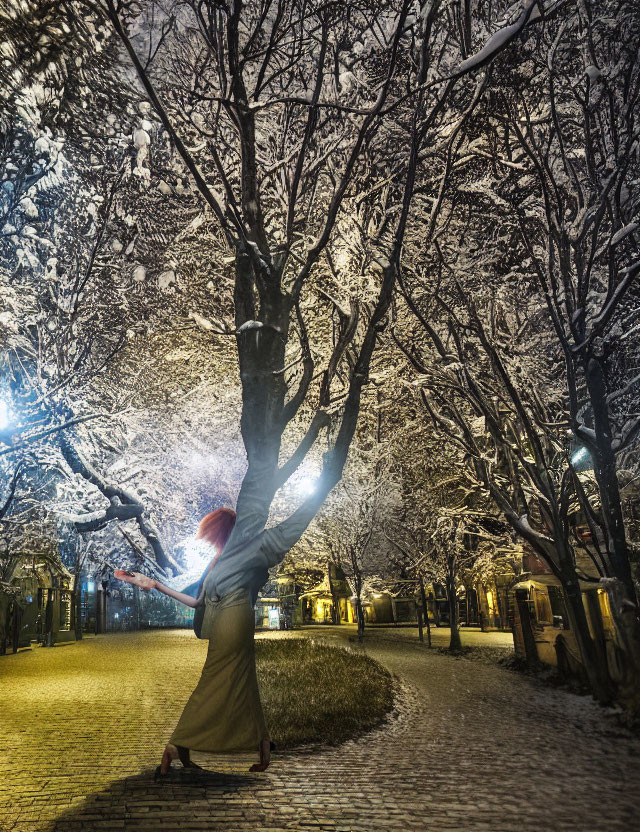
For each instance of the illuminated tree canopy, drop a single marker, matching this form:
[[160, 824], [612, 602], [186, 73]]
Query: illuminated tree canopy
[[249, 248]]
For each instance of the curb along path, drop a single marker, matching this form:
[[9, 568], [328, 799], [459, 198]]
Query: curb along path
[[472, 747]]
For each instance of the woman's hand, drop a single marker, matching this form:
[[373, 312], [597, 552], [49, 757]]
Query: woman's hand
[[135, 578]]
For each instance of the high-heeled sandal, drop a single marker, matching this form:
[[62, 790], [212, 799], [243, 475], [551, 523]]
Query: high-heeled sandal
[[265, 756], [185, 759]]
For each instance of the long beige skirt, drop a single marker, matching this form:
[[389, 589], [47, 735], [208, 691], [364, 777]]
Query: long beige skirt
[[224, 712]]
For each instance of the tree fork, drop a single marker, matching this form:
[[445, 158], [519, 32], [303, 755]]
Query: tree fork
[[130, 508]]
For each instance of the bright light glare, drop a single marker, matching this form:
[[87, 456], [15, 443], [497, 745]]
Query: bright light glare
[[579, 456], [307, 486], [196, 460], [198, 553], [4, 415]]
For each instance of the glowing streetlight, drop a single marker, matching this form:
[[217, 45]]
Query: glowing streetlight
[[579, 456]]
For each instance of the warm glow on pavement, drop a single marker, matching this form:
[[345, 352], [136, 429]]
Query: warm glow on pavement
[[84, 725]]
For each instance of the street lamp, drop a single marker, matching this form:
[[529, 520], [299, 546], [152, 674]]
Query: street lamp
[[581, 458]]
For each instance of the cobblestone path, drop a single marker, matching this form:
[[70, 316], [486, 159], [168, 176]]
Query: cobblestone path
[[472, 747]]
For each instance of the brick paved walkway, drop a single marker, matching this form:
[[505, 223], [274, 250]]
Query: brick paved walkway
[[472, 747]]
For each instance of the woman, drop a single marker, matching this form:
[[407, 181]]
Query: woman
[[224, 712]]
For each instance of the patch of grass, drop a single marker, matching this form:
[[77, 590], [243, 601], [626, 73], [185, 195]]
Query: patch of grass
[[314, 693]]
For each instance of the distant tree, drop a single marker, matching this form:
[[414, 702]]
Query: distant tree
[[353, 517], [577, 218], [531, 339], [80, 174], [444, 530]]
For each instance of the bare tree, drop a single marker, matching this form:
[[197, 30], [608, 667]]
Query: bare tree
[[582, 245], [268, 101]]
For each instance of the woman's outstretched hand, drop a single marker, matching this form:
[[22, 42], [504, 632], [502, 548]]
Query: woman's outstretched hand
[[135, 578]]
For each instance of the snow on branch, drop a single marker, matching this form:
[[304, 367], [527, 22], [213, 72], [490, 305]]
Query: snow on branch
[[629, 432], [124, 505], [499, 40]]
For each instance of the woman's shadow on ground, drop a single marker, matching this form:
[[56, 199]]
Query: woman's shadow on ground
[[182, 801]]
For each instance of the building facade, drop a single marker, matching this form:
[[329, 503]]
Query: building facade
[[38, 606], [541, 626]]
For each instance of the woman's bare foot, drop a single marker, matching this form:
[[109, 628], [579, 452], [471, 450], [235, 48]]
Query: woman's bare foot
[[170, 753], [265, 756]]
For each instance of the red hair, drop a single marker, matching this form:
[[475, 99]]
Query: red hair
[[216, 527]]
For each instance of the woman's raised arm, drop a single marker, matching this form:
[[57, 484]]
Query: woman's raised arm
[[187, 600], [146, 583]]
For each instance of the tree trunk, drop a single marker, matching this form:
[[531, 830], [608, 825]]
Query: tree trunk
[[16, 620], [360, 618], [101, 610], [454, 642], [4, 615], [595, 666], [624, 605], [78, 607], [48, 620], [626, 624], [595, 617], [335, 600], [524, 614], [336, 609], [359, 610], [605, 469], [425, 610], [500, 606]]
